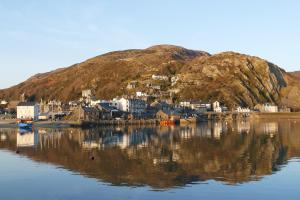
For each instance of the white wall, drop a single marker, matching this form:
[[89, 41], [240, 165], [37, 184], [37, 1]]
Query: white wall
[[28, 112]]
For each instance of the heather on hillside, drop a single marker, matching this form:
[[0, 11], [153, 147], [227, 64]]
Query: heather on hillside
[[232, 78]]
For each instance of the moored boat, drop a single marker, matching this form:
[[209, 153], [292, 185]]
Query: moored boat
[[25, 123], [167, 123]]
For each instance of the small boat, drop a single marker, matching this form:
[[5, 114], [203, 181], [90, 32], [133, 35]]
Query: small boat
[[25, 124], [167, 123]]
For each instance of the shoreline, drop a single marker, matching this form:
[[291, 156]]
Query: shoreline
[[12, 123], [278, 115], [79, 124]]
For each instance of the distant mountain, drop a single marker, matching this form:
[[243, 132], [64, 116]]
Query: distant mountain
[[229, 77]]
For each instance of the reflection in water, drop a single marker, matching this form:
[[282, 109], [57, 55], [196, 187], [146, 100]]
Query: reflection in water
[[3, 137], [164, 157], [27, 138]]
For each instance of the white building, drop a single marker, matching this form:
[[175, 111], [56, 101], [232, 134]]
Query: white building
[[132, 85], [242, 110], [141, 94], [3, 102], [86, 93], [87, 96], [267, 107], [195, 105], [216, 107], [270, 108], [174, 80], [185, 104], [159, 77], [130, 105], [28, 110], [95, 102]]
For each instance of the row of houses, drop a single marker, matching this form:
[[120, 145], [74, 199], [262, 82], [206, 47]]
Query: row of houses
[[217, 107], [89, 108], [137, 107], [203, 106]]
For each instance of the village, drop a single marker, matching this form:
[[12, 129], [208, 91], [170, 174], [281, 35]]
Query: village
[[138, 108]]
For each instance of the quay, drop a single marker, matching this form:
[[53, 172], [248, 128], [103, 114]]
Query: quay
[[226, 116]]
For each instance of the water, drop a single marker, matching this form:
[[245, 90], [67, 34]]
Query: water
[[258, 160]]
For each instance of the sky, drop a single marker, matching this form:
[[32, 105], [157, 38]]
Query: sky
[[42, 35]]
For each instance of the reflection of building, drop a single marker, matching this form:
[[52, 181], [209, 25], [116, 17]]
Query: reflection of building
[[49, 138], [126, 140], [243, 126], [204, 130], [27, 139], [166, 157], [90, 145], [111, 139], [270, 127], [217, 129], [3, 137], [187, 132]]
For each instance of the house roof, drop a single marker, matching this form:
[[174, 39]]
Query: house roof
[[89, 109], [169, 112], [107, 107], [26, 104]]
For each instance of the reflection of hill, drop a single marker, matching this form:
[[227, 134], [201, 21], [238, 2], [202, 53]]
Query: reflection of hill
[[167, 157]]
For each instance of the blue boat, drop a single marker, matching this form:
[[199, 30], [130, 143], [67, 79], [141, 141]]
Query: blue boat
[[24, 125]]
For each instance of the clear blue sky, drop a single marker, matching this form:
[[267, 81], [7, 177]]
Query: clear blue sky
[[42, 35]]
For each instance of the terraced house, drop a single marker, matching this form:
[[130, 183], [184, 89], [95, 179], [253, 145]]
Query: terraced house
[[135, 106]]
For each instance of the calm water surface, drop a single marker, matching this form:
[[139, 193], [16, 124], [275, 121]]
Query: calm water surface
[[257, 160]]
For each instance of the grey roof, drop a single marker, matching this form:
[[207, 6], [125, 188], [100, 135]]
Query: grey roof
[[169, 112], [107, 107], [89, 109], [26, 104]]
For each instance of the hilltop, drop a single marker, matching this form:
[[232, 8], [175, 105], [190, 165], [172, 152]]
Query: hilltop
[[180, 73]]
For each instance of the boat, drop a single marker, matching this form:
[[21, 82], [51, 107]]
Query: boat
[[167, 123], [25, 124]]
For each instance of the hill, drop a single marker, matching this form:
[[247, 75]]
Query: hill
[[230, 77]]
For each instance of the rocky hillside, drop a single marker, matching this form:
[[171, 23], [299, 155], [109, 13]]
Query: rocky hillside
[[180, 73]]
